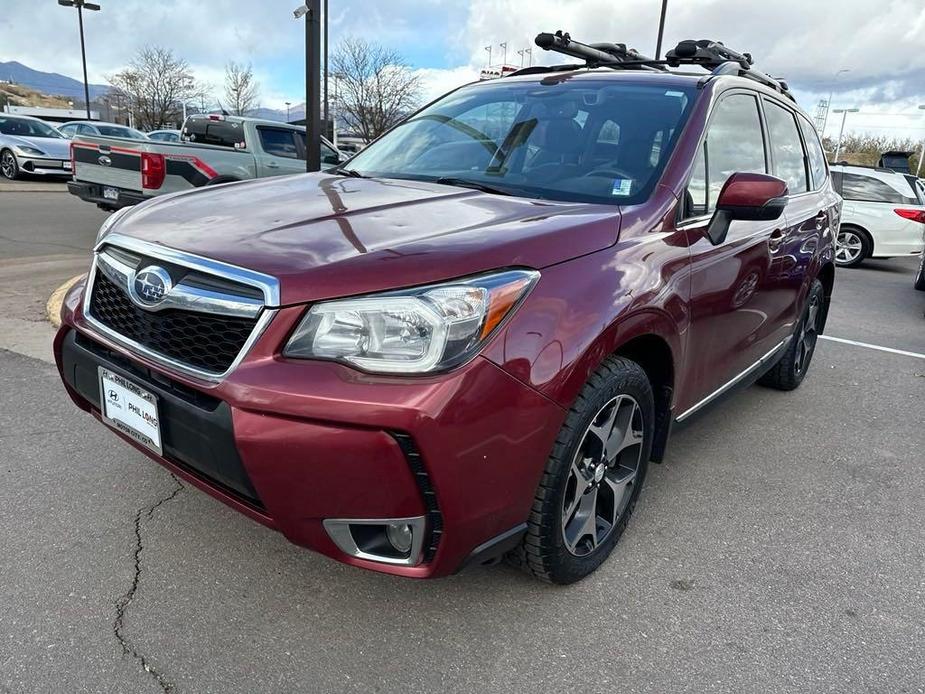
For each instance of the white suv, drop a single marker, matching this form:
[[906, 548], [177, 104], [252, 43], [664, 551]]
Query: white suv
[[883, 215]]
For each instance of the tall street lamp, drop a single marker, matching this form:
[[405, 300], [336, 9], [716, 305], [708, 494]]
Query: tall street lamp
[[81, 5], [661, 30], [828, 104], [918, 169], [288, 104], [311, 10], [844, 115]]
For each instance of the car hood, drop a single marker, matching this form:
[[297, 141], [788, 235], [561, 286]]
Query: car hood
[[325, 236], [52, 146]]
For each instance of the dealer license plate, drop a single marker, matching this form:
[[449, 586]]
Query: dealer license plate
[[111, 193], [130, 409]]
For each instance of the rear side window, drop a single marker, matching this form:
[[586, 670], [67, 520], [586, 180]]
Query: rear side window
[[734, 143], [786, 148], [869, 189], [817, 165], [215, 132], [280, 142]]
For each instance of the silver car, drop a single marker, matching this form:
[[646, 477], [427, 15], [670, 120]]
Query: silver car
[[100, 128], [164, 135], [29, 145]]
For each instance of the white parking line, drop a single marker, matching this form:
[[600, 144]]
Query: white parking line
[[870, 346]]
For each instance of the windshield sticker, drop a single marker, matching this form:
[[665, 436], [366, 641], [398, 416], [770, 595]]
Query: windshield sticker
[[621, 187]]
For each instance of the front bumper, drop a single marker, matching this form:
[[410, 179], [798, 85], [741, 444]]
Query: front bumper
[[292, 443], [44, 166], [92, 192]]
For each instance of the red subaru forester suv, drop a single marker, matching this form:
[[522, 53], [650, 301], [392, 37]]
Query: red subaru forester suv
[[470, 341]]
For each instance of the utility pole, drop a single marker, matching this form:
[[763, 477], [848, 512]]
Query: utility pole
[[918, 168], [311, 11], [844, 115], [80, 5], [288, 103], [828, 104], [327, 113], [661, 30]]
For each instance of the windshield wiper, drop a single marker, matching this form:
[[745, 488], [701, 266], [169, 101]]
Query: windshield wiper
[[475, 185], [353, 173]]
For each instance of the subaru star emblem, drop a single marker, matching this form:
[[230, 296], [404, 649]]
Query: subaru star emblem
[[104, 160], [150, 286]]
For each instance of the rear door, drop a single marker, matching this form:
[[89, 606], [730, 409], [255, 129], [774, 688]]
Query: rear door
[[806, 217], [280, 151], [732, 299]]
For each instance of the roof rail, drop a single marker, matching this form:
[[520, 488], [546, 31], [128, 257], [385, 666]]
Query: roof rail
[[710, 55]]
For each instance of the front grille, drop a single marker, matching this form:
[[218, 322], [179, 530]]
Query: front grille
[[205, 341]]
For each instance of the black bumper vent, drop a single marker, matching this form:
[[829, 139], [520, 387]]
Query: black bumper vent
[[201, 340], [434, 517]]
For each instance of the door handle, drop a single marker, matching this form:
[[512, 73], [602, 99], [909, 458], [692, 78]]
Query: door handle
[[821, 220], [272, 165], [775, 240]]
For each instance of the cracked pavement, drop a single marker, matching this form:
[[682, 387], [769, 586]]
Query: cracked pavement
[[779, 549]]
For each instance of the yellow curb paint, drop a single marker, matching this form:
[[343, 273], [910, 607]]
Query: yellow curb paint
[[53, 306]]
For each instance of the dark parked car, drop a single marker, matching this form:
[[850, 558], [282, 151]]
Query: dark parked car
[[472, 340]]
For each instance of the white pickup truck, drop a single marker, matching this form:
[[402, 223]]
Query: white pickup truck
[[116, 172]]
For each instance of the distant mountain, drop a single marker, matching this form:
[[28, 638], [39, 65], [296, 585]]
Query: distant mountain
[[48, 82]]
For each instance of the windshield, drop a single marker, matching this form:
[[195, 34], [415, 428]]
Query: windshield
[[26, 127], [118, 131], [596, 141]]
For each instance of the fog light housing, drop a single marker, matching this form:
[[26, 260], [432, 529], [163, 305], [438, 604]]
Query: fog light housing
[[400, 536], [386, 540]]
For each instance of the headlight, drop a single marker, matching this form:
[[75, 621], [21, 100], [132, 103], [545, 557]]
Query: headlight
[[110, 221], [413, 331], [29, 150]]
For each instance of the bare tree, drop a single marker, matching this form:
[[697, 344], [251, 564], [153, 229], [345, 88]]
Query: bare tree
[[155, 85], [241, 89], [375, 87]]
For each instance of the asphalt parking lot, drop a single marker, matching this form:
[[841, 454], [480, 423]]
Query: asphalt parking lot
[[780, 548]]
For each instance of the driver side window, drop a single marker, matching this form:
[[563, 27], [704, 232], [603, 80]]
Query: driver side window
[[734, 143]]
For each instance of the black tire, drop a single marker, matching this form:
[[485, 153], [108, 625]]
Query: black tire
[[544, 552], [853, 246], [790, 370], [920, 276], [9, 167]]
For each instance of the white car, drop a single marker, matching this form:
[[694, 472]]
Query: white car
[[883, 215]]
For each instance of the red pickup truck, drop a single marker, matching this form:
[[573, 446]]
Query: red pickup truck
[[471, 340]]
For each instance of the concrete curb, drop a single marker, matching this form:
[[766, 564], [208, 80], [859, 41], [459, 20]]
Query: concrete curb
[[53, 306], [32, 188]]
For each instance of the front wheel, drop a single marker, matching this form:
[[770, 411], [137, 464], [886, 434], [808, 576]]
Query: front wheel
[[593, 476], [9, 167], [851, 247], [791, 368]]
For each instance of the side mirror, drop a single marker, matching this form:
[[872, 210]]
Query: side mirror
[[747, 196]]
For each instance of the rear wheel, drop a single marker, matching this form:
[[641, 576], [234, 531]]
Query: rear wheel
[[9, 167], [852, 246], [593, 476], [920, 277], [791, 368]]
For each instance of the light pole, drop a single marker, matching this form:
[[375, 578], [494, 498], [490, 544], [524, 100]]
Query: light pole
[[311, 11], [918, 168], [828, 104], [844, 115], [488, 48], [503, 47], [529, 52], [326, 51], [288, 104], [81, 5], [661, 30]]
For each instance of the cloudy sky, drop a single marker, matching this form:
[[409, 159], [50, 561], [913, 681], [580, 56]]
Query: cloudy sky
[[881, 42]]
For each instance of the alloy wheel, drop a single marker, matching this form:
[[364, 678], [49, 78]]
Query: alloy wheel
[[809, 333], [602, 475], [8, 165], [848, 247]]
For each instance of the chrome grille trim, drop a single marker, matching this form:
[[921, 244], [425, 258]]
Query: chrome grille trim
[[190, 299]]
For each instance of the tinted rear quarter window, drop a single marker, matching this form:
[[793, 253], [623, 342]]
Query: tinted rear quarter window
[[818, 168], [215, 132], [786, 147], [860, 188]]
